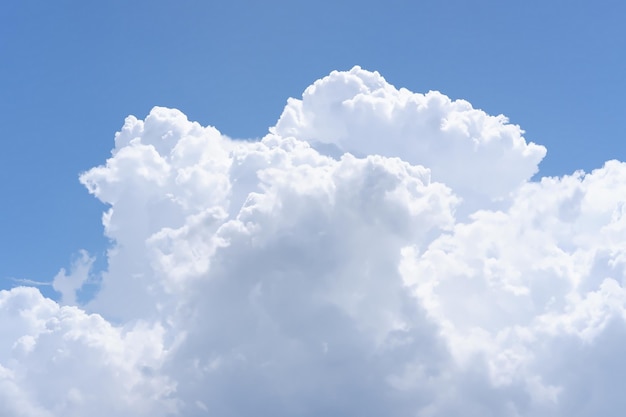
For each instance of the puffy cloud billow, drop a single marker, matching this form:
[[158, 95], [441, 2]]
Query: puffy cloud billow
[[378, 252]]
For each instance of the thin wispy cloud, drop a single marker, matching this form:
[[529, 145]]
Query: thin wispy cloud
[[31, 282]]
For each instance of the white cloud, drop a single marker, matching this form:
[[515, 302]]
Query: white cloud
[[60, 361], [268, 278], [67, 285], [359, 112]]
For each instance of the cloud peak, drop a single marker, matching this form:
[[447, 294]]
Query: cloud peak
[[359, 112]]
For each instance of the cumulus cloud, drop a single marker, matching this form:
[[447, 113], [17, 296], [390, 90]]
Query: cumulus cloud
[[359, 112], [379, 252], [61, 361]]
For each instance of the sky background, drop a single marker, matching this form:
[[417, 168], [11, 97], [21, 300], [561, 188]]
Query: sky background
[[382, 250], [70, 72]]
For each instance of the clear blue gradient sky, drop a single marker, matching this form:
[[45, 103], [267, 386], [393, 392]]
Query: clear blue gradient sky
[[71, 71]]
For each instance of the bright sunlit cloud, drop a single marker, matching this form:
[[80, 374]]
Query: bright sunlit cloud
[[378, 252]]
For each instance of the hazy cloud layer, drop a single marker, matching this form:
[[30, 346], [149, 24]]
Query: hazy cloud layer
[[420, 274]]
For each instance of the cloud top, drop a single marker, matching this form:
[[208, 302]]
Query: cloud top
[[359, 112]]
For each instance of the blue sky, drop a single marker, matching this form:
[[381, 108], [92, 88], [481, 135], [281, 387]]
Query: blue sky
[[71, 71], [383, 250]]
